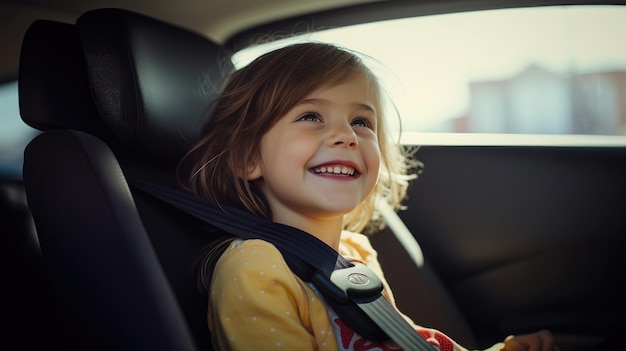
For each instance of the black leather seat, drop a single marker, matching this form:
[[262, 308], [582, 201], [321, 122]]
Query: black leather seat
[[119, 95], [30, 316]]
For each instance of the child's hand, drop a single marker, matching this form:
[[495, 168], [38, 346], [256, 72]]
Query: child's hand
[[541, 341]]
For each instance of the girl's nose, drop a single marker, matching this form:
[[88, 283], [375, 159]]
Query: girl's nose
[[344, 136]]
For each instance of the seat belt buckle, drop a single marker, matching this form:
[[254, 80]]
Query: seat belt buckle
[[356, 282]]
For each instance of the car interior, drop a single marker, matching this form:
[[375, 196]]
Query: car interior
[[516, 237]]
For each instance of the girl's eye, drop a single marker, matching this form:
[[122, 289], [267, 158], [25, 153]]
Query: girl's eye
[[310, 116], [362, 122]]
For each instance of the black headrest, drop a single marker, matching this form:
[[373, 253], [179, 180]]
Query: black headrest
[[53, 87], [152, 83]]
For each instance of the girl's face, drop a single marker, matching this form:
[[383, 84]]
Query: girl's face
[[321, 159]]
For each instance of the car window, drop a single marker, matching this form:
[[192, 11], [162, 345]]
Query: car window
[[502, 74], [14, 133]]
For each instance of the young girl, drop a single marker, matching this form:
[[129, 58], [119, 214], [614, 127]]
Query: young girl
[[298, 137]]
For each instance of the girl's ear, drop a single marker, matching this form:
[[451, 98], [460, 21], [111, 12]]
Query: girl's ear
[[254, 171]]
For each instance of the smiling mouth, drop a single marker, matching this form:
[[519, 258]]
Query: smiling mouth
[[335, 170]]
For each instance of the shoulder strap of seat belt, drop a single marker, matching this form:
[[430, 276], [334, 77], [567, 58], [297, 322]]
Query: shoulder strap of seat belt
[[353, 291]]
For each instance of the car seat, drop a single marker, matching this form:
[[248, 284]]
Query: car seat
[[28, 309], [118, 95], [122, 96]]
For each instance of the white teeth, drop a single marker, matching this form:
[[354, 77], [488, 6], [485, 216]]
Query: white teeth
[[335, 170]]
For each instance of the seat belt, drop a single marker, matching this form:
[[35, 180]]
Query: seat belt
[[352, 290]]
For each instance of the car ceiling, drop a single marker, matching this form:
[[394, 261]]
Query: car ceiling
[[221, 20], [216, 19]]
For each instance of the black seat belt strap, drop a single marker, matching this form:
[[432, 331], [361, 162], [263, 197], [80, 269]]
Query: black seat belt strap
[[353, 291]]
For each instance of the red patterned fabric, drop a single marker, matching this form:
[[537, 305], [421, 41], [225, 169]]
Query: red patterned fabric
[[354, 342]]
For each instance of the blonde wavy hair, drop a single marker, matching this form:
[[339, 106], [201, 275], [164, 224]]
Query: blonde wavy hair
[[253, 100]]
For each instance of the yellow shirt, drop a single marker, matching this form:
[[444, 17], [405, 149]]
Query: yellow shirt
[[257, 303]]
